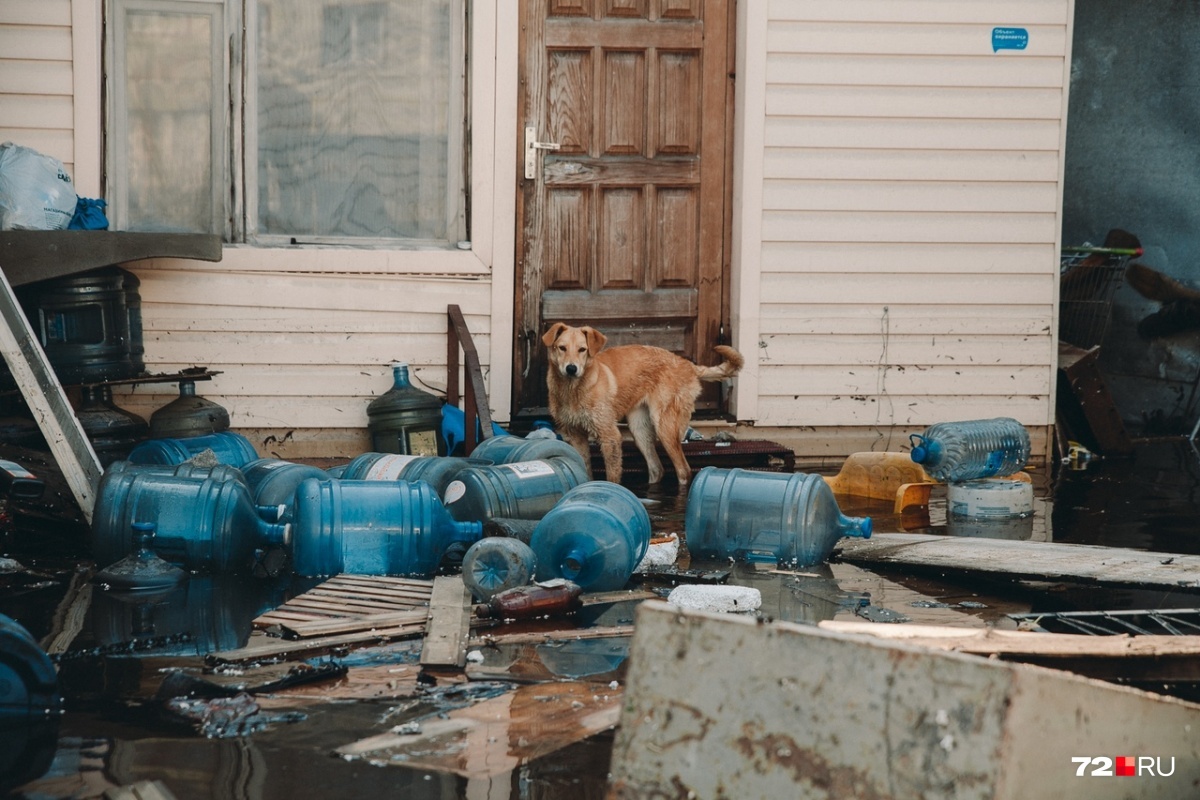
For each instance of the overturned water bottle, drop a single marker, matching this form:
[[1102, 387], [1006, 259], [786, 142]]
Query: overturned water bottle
[[595, 537], [792, 518], [495, 564], [522, 490], [511, 449], [372, 528], [272, 483], [972, 449], [227, 446], [201, 523], [437, 471]]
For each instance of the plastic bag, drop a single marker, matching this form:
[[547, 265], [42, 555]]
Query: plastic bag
[[89, 215], [35, 190]]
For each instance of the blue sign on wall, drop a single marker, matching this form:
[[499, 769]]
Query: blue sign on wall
[[1009, 39]]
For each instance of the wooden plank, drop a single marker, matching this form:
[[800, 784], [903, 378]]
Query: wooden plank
[[365, 622], [566, 635], [867, 718], [1020, 560], [498, 735], [449, 625], [1120, 657], [45, 397], [37, 255], [261, 647]]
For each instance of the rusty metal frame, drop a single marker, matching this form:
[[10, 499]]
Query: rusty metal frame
[[476, 410]]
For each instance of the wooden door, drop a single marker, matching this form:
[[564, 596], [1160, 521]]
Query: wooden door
[[622, 207]]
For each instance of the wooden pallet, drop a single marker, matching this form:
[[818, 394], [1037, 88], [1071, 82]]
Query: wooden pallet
[[345, 602]]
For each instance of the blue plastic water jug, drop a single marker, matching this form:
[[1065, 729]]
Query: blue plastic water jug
[[496, 563], [964, 451], [229, 448], [218, 472], [437, 471], [30, 706], [511, 449], [272, 483], [523, 490], [595, 536], [744, 514], [454, 429], [372, 528], [202, 524]]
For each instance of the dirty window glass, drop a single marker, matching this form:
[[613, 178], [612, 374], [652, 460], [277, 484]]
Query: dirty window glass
[[165, 142], [358, 119]]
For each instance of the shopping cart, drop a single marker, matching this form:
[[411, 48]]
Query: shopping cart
[[1088, 279]]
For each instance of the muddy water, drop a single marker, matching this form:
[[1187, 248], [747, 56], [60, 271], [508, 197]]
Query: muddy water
[[115, 733]]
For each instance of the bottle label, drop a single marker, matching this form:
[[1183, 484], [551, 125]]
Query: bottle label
[[388, 468], [530, 469], [454, 491]]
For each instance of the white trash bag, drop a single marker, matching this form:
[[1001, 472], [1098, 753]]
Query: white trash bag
[[35, 190]]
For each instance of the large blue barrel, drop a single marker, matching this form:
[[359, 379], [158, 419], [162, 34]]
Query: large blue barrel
[[372, 528], [272, 483], [511, 449], [596, 536], [744, 514], [30, 706], [229, 448], [523, 490], [202, 524], [437, 471]]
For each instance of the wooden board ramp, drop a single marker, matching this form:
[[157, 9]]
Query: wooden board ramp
[[1022, 560], [349, 598]]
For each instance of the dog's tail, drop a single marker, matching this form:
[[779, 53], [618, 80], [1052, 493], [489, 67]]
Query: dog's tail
[[726, 369]]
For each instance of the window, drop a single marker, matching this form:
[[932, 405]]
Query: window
[[331, 121]]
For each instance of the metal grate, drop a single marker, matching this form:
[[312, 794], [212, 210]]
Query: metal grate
[[1171, 622], [1088, 279]]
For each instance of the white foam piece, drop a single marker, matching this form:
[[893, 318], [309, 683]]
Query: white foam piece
[[662, 554], [716, 598]]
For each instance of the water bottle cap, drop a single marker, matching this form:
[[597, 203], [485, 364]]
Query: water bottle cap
[[865, 527]]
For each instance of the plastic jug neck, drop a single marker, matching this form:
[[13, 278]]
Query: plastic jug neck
[[278, 534], [187, 388], [469, 531], [574, 561], [860, 527], [400, 375], [923, 449]]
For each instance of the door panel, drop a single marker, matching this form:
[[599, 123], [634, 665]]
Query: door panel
[[622, 223]]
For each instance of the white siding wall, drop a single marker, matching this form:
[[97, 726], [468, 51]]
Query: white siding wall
[[300, 354], [901, 241], [36, 95]]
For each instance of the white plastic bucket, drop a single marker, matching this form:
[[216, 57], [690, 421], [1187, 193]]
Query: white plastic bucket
[[989, 499]]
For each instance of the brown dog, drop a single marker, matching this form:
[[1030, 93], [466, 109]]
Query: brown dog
[[591, 389]]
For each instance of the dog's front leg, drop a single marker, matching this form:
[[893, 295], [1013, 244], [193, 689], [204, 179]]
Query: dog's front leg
[[610, 447], [579, 440]]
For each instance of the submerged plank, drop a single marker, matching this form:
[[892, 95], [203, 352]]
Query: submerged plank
[[1139, 658], [449, 623], [804, 712], [498, 735], [1022, 560]]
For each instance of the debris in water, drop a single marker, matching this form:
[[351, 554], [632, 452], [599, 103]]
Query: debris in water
[[716, 598], [229, 717]]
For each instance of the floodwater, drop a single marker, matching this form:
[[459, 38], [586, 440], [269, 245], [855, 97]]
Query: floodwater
[[118, 729]]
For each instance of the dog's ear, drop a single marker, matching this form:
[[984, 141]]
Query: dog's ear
[[595, 339], [555, 331]]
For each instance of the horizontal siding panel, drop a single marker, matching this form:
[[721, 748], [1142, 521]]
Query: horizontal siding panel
[[959, 196], [837, 381], [185, 317], [35, 42], [904, 352], [917, 410], [394, 294], [317, 411], [920, 257], [892, 289], [868, 69], [867, 226], [35, 12], [285, 380], [906, 38], [910, 165], [204, 348], [917, 102], [915, 134], [57, 143], [906, 320], [1008, 12], [37, 111], [35, 77]]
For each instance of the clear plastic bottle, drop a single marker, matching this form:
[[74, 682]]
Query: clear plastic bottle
[[972, 449]]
